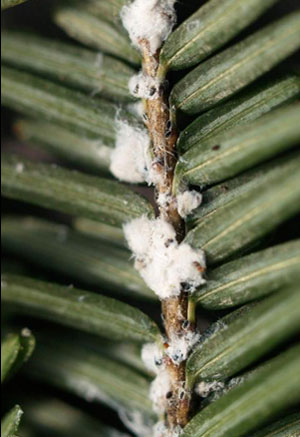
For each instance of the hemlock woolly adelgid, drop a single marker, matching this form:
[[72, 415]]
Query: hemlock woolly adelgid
[[143, 86], [179, 347], [150, 20], [136, 109], [152, 357], [159, 388], [187, 202], [204, 389], [164, 264], [163, 199], [130, 158], [160, 430]]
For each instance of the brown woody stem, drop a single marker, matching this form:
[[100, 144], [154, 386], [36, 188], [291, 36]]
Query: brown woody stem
[[163, 136]]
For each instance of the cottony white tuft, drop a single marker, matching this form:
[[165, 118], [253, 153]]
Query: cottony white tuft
[[130, 159], [163, 200], [158, 391], [150, 20], [152, 357], [164, 264], [160, 430], [204, 389], [143, 86], [188, 201], [137, 109], [179, 347]]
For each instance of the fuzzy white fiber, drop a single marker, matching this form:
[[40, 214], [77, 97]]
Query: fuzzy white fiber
[[188, 201], [143, 86], [163, 263], [163, 200], [130, 158], [204, 389], [160, 430], [152, 357], [179, 347], [136, 109], [158, 391], [151, 20]]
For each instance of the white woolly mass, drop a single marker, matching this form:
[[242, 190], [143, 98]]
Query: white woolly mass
[[151, 20], [179, 347], [187, 202], [177, 432], [204, 389], [136, 109], [154, 176], [163, 200], [130, 159], [161, 430], [152, 357], [143, 86], [159, 388], [164, 264]]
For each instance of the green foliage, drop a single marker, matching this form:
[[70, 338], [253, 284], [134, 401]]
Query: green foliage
[[71, 192], [11, 421], [62, 420], [80, 309], [81, 370], [231, 70], [77, 255], [250, 215], [73, 147], [16, 349], [5, 4], [72, 65], [236, 146], [251, 277], [9, 352], [109, 10], [267, 391], [238, 149], [208, 29], [288, 426], [96, 32], [245, 336], [248, 106], [38, 97]]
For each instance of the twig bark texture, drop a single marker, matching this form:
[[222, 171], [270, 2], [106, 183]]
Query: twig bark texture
[[163, 134]]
